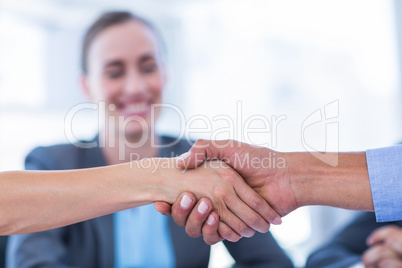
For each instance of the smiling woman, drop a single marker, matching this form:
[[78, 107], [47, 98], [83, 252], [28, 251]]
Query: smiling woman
[[127, 75]]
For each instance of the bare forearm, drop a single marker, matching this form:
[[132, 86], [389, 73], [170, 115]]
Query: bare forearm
[[346, 185], [38, 200], [33, 201]]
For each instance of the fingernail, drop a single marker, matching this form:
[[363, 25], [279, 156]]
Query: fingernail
[[182, 157], [211, 219], [185, 201], [249, 233], [277, 221], [203, 207]]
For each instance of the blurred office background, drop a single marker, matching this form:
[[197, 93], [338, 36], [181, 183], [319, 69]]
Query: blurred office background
[[281, 59]]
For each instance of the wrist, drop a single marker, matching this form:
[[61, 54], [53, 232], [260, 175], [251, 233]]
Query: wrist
[[166, 176], [145, 181], [297, 171]]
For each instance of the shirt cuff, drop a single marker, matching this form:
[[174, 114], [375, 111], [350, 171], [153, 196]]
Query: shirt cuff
[[385, 173]]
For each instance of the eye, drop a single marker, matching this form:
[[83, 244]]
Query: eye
[[149, 67], [114, 72]]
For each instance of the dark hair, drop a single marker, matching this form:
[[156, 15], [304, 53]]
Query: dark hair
[[106, 20]]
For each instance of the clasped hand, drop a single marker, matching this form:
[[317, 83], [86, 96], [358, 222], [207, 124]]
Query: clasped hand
[[260, 195]]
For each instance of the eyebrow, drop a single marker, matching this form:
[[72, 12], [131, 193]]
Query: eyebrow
[[113, 63], [118, 63], [147, 57]]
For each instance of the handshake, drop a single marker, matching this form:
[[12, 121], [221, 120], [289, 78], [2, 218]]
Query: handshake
[[259, 186]]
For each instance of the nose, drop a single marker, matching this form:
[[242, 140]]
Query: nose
[[135, 83]]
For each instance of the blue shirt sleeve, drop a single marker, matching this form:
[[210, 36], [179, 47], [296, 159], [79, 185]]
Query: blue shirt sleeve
[[385, 173]]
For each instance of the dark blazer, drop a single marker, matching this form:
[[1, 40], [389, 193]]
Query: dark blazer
[[90, 244], [348, 245]]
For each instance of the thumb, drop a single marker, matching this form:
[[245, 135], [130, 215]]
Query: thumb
[[163, 207], [195, 156]]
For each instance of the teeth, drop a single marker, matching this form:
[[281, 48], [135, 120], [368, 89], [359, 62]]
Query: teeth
[[137, 107]]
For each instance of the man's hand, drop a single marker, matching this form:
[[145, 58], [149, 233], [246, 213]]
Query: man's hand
[[263, 169], [287, 180], [385, 248]]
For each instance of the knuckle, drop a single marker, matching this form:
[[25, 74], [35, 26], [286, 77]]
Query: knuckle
[[265, 228], [393, 228], [242, 228], [391, 240], [198, 219], [227, 234], [234, 238], [386, 264], [378, 249], [200, 141], [199, 144], [220, 192], [228, 176], [179, 218], [253, 220], [256, 202], [382, 250], [365, 259], [178, 222], [192, 233], [210, 241], [252, 233]]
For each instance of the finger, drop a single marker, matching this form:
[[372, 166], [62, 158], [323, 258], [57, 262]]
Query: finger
[[395, 242], [380, 234], [197, 217], [236, 223], [376, 253], [256, 204], [182, 208], [390, 263], [191, 159], [251, 218], [210, 229], [227, 233], [163, 207], [371, 256]]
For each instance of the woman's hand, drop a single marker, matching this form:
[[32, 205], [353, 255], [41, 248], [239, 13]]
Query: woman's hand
[[238, 206]]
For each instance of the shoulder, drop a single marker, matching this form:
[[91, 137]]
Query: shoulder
[[60, 156], [56, 151]]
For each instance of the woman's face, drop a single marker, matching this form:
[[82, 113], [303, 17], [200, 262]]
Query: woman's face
[[125, 71]]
